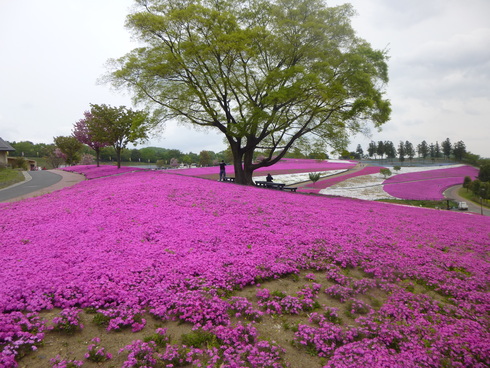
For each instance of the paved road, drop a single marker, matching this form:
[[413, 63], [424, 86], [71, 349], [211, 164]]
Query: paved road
[[39, 180], [452, 193]]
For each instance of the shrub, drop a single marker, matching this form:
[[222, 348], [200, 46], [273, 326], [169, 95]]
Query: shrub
[[314, 177], [20, 163], [385, 172]]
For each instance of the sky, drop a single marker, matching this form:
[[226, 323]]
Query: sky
[[52, 53]]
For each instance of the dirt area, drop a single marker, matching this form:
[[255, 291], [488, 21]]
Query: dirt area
[[272, 327]]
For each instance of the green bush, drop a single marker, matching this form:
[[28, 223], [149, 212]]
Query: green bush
[[314, 177], [20, 163]]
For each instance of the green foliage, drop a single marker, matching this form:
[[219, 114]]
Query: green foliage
[[385, 172], [118, 126], [199, 338], [20, 163], [101, 319], [484, 173], [161, 340], [397, 168], [427, 204], [70, 147], [314, 177], [264, 73]]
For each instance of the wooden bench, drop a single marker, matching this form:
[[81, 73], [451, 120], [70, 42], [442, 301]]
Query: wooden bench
[[229, 178], [290, 189], [270, 184]]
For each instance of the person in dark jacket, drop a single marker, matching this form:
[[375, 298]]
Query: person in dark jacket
[[222, 171], [269, 178]]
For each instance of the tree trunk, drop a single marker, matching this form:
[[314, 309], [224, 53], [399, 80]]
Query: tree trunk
[[97, 156], [118, 157], [242, 162]]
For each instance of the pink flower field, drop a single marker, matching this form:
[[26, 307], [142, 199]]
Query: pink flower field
[[262, 278], [94, 172], [427, 185], [285, 166]]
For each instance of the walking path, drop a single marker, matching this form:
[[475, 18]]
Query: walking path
[[38, 183]]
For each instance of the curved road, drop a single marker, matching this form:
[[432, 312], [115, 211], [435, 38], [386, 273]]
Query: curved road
[[38, 183]]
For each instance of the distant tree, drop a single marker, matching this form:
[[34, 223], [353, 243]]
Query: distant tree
[[397, 168], [148, 154], [87, 159], [84, 131], [432, 151], [401, 152], [390, 149], [485, 190], [385, 172], [24, 148], [409, 151], [372, 148], [160, 164], [484, 173], [135, 155], [205, 158], [423, 149], [174, 162], [475, 187], [467, 182], [437, 150], [187, 160], [55, 157], [380, 149], [295, 152], [459, 150], [359, 151], [447, 148], [318, 155], [70, 147], [471, 158], [118, 126]]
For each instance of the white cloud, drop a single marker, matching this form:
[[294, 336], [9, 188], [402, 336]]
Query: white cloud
[[54, 51]]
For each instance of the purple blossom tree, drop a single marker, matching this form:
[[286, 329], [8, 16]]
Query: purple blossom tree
[[83, 131]]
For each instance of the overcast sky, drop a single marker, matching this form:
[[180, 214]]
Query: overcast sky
[[52, 52]]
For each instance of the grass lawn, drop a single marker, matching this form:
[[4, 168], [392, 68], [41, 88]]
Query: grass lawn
[[9, 177], [426, 204]]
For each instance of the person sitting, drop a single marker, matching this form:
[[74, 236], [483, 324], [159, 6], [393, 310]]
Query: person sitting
[[269, 178]]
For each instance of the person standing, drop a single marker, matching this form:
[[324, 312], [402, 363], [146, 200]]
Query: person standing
[[222, 171]]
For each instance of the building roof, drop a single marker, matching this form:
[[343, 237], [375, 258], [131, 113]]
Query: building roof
[[4, 146]]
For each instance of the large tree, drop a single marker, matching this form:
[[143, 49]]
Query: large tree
[[263, 72], [118, 126], [84, 131]]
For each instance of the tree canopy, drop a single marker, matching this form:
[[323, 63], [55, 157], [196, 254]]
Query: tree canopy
[[84, 130], [117, 126], [267, 74], [70, 148]]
